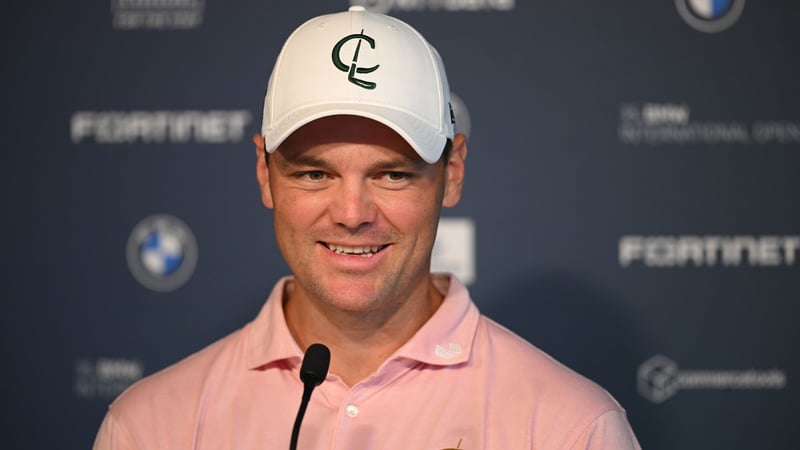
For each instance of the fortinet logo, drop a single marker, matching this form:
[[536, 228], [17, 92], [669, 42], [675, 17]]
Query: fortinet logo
[[708, 251], [155, 127]]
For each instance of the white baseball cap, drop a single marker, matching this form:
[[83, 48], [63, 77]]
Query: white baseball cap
[[364, 64]]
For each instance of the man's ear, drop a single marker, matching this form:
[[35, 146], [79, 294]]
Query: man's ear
[[262, 171], [454, 174]]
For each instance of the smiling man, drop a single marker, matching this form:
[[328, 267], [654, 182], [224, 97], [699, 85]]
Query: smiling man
[[356, 158], [356, 211]]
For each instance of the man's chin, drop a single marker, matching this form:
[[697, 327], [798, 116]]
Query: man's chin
[[352, 298]]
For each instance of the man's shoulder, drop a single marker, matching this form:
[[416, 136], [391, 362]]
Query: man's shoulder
[[538, 375], [181, 383], [550, 395]]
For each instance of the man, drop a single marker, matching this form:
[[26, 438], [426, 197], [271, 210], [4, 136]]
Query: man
[[356, 158]]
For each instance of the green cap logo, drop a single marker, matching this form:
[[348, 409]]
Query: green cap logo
[[353, 68]]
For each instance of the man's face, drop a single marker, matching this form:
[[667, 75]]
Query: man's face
[[356, 212]]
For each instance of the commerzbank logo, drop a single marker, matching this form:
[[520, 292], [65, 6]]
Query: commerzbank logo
[[659, 378], [387, 6], [710, 16]]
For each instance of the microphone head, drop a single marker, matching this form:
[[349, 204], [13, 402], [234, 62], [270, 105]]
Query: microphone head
[[315, 364]]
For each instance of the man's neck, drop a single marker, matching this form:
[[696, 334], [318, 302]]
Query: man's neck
[[360, 341]]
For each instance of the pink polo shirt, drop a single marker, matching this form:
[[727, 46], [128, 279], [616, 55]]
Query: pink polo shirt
[[462, 381]]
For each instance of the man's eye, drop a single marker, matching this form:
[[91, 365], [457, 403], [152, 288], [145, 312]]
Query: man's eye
[[314, 175], [397, 176]]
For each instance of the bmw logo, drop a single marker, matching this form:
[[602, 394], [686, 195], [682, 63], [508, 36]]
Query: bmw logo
[[710, 16], [162, 253]]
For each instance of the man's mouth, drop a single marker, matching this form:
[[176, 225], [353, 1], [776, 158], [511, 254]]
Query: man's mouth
[[364, 252]]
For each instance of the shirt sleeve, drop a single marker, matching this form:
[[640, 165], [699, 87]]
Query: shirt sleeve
[[610, 431]]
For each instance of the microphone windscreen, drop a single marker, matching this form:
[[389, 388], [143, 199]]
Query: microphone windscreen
[[315, 364]]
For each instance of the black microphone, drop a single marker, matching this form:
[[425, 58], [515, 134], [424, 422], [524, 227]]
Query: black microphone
[[312, 373]]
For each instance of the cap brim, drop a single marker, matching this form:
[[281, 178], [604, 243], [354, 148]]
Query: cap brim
[[426, 141]]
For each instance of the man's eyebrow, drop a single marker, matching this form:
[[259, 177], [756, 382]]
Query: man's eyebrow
[[399, 163], [304, 160]]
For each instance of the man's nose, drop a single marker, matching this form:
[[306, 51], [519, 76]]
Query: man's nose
[[353, 205]]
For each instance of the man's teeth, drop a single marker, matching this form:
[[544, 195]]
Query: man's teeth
[[362, 251]]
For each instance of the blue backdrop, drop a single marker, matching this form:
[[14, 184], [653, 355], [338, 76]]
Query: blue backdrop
[[631, 205]]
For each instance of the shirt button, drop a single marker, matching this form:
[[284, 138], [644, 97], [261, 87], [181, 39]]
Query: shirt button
[[351, 411]]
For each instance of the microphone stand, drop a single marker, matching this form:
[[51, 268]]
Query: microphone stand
[[312, 372]]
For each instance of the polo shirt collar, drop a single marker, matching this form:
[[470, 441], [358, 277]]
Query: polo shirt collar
[[445, 339], [269, 338]]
